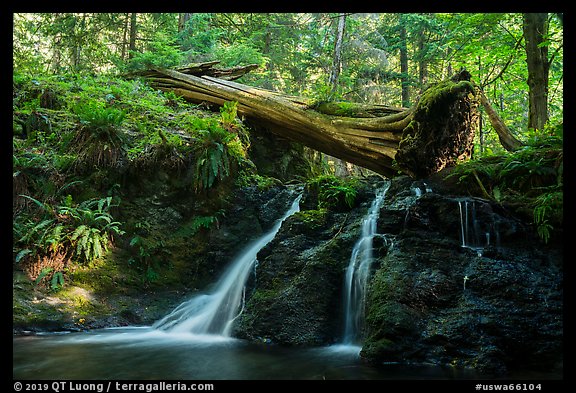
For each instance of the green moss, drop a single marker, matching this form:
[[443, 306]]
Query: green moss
[[435, 95], [378, 345], [263, 183], [264, 296], [336, 108], [312, 219]]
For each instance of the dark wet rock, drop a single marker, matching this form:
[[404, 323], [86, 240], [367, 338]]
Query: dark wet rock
[[252, 213], [295, 295], [496, 308]]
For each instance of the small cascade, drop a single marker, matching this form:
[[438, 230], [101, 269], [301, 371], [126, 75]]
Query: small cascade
[[213, 313], [418, 189], [471, 235], [358, 273]]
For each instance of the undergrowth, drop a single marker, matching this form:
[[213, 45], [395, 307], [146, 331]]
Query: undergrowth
[[528, 178], [77, 139]]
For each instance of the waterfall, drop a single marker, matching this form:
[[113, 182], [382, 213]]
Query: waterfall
[[358, 272], [213, 313], [470, 233]]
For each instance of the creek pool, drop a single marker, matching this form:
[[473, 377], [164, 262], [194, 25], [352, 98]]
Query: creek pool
[[144, 353]]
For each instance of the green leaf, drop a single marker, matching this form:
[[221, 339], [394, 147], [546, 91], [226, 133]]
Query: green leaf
[[497, 194], [40, 204], [135, 240], [57, 281], [97, 249], [105, 217], [22, 254], [43, 273], [79, 232]]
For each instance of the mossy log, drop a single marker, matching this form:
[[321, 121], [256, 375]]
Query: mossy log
[[418, 141]]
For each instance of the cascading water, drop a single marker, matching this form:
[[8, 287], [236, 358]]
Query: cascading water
[[214, 313], [470, 233], [358, 272]]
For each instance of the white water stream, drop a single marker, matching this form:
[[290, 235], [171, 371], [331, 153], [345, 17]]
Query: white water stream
[[213, 313], [470, 233], [358, 273]]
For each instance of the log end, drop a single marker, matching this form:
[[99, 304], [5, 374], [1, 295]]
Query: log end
[[441, 132]]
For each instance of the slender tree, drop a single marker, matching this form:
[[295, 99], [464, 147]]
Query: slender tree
[[337, 61], [183, 18]]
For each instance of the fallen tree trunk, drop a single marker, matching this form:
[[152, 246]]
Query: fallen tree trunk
[[419, 141], [507, 140], [201, 69]]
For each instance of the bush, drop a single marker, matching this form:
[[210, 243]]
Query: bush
[[46, 242], [332, 192], [99, 141]]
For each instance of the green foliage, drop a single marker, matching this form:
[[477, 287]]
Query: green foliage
[[213, 161], [295, 51], [239, 54], [56, 280], [228, 113], [198, 223], [99, 140], [217, 147], [94, 114], [173, 100], [47, 240], [162, 52], [531, 177], [548, 209], [333, 192], [202, 222], [83, 232], [199, 37], [149, 254]]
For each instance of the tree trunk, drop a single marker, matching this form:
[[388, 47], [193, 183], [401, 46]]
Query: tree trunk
[[404, 65], [422, 61], [133, 31], [125, 36], [337, 61], [422, 32], [435, 133], [183, 18], [535, 27]]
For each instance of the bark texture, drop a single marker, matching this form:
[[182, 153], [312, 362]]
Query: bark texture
[[435, 133]]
